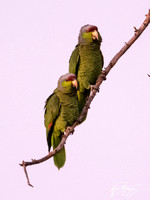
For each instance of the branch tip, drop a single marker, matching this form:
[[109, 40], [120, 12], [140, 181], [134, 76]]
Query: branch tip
[[25, 170], [135, 29]]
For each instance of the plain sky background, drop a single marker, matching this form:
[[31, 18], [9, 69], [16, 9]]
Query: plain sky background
[[111, 149]]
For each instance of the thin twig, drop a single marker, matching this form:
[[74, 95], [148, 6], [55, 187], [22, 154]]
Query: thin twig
[[25, 171], [99, 81]]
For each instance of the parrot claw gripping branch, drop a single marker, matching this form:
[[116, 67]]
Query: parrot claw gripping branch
[[70, 128]]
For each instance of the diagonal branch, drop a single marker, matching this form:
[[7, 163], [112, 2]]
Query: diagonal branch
[[99, 81]]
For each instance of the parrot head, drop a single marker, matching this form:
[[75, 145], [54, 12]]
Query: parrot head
[[89, 34], [68, 83]]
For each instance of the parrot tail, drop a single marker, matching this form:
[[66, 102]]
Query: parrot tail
[[60, 157], [82, 97]]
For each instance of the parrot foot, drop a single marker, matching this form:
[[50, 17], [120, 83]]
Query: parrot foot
[[79, 121], [93, 87], [70, 129], [103, 75]]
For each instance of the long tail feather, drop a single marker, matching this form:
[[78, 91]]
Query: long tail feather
[[60, 157], [82, 97]]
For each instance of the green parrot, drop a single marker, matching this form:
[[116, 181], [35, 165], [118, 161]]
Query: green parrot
[[86, 61], [61, 110]]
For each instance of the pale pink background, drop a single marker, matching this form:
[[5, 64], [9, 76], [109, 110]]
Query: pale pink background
[[111, 150]]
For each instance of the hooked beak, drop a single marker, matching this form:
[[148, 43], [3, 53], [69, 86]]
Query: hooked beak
[[95, 35], [75, 83]]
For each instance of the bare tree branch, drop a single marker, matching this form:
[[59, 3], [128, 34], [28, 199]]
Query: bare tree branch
[[25, 171], [99, 81]]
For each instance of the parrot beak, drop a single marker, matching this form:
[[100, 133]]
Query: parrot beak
[[95, 35], [75, 83]]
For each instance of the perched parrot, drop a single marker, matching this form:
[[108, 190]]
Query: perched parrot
[[61, 110], [86, 61]]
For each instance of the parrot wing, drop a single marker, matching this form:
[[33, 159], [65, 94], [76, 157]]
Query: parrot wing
[[74, 61], [52, 110], [102, 57]]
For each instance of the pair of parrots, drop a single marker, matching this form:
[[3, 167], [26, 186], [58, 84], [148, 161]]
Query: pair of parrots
[[63, 107]]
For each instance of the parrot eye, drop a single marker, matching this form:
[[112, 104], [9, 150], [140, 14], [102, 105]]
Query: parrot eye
[[71, 78], [91, 29]]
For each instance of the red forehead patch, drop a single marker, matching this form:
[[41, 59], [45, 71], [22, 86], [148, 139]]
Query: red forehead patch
[[91, 29], [71, 78]]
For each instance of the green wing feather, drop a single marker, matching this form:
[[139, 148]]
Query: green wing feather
[[74, 61], [73, 68], [52, 109], [102, 58]]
